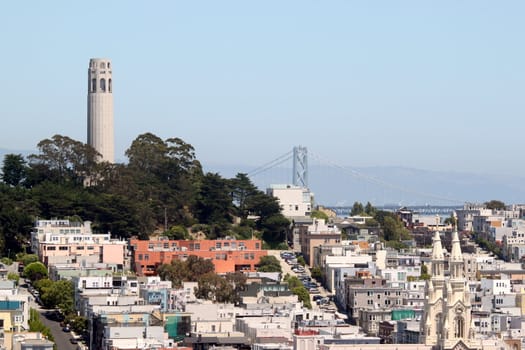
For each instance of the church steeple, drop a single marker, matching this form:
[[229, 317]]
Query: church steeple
[[438, 258], [457, 309], [447, 320], [435, 293], [456, 255], [456, 258]]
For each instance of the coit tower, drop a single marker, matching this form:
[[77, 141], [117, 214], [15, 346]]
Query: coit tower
[[100, 134]]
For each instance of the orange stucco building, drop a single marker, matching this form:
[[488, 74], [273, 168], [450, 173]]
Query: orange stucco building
[[227, 255]]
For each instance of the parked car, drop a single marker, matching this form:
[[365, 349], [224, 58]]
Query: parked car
[[66, 328]]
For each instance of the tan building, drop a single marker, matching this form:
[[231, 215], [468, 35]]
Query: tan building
[[71, 242], [318, 233]]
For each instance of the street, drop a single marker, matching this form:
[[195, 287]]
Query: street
[[287, 269], [61, 337]]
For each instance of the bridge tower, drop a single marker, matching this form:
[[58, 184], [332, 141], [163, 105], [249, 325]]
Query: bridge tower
[[300, 166]]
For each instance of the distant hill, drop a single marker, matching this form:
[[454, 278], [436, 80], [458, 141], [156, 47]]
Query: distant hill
[[394, 185]]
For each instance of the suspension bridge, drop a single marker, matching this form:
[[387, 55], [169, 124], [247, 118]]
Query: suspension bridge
[[340, 186]]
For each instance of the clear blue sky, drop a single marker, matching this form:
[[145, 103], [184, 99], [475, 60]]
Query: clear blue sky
[[424, 84]]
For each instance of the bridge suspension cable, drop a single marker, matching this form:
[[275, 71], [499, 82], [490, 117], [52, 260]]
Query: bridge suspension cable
[[356, 174], [271, 164]]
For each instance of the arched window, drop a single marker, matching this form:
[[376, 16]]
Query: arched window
[[109, 65], [459, 324], [103, 85], [437, 322], [102, 65], [109, 85], [93, 85]]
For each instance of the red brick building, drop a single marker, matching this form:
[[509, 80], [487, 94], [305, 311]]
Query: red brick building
[[227, 255]]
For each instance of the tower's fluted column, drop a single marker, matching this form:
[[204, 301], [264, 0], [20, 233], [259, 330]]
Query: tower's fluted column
[[100, 131]]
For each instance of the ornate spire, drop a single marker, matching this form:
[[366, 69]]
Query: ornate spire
[[437, 250], [456, 254]]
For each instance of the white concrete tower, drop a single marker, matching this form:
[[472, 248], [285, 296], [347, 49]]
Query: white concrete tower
[[100, 132]]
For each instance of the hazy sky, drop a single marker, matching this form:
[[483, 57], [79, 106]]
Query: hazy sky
[[425, 84]]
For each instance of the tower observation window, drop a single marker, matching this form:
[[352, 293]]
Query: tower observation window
[[103, 85], [93, 85], [109, 84]]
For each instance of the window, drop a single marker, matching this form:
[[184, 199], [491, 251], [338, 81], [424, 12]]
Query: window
[[80, 247], [146, 257], [51, 248], [63, 248], [90, 248], [103, 85], [109, 85], [459, 325], [93, 85], [218, 245], [140, 256], [197, 246], [256, 245]]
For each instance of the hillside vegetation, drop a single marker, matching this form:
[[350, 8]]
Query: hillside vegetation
[[161, 190]]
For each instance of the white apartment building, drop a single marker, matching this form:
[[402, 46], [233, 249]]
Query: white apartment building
[[477, 218], [466, 215], [295, 201], [348, 261], [496, 287]]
